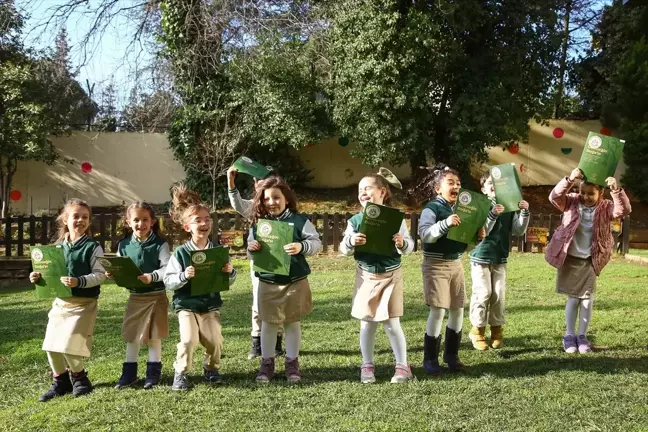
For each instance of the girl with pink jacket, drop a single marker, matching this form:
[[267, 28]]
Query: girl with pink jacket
[[580, 248]]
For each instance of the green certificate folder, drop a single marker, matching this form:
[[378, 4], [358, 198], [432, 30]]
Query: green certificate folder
[[49, 261], [507, 187], [273, 236], [209, 276], [246, 165], [380, 223], [472, 208], [600, 157], [123, 270]]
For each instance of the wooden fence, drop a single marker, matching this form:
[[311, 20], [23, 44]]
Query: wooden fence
[[17, 234]]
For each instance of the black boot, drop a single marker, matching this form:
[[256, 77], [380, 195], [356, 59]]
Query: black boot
[[128, 376], [153, 375], [80, 384], [451, 351], [255, 349], [278, 348], [431, 349], [61, 386]]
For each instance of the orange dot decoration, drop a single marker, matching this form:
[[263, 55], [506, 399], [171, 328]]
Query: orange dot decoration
[[86, 167], [558, 133], [605, 131], [514, 148], [15, 195]]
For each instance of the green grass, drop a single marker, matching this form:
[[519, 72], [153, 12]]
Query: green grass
[[529, 385], [639, 252]]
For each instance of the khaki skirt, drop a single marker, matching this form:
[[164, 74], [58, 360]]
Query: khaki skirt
[[284, 303], [146, 317], [443, 283], [576, 278], [70, 326], [377, 296]]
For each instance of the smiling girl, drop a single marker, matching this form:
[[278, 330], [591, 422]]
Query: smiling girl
[[283, 299]]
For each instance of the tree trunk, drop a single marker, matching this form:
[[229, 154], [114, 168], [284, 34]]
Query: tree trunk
[[441, 152], [7, 171], [418, 162], [562, 66], [213, 204]]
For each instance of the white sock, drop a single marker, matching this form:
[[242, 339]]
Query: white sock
[[571, 311], [435, 321], [292, 335], [367, 340], [155, 350], [268, 339], [132, 352], [396, 339], [585, 315], [455, 319]]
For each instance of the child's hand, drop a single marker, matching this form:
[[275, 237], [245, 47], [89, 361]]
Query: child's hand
[[398, 240], [612, 183], [481, 234], [110, 275], [498, 209], [254, 246], [69, 281], [34, 277], [453, 220], [231, 176], [146, 278], [293, 248], [523, 205], [190, 272], [358, 239], [576, 174], [227, 268]]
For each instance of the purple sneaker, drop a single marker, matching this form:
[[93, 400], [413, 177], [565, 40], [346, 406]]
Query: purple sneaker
[[584, 346], [569, 344]]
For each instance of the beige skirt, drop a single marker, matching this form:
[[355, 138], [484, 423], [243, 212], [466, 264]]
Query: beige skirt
[[576, 278], [443, 283], [377, 296], [284, 303], [71, 325], [146, 317]]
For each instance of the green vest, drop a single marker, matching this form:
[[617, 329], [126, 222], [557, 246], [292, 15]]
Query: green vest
[[78, 257], [494, 249], [182, 298], [444, 248], [146, 256], [371, 262], [299, 268]]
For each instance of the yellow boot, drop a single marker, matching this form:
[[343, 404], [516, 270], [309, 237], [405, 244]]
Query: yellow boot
[[478, 339], [497, 337]]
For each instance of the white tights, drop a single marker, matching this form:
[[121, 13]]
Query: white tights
[[572, 311], [435, 320], [394, 333], [292, 335]]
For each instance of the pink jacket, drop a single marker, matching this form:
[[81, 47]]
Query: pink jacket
[[604, 212]]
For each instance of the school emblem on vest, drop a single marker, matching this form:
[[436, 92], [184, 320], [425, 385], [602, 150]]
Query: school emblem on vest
[[37, 255], [373, 212], [199, 258], [465, 198], [104, 262], [496, 173], [595, 142], [265, 229]]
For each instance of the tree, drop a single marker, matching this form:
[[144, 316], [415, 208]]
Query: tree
[[107, 112], [152, 112]]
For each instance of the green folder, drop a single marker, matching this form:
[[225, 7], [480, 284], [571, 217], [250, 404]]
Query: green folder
[[124, 271], [49, 261], [380, 223], [472, 208], [209, 276], [600, 157], [273, 236], [246, 165], [506, 182]]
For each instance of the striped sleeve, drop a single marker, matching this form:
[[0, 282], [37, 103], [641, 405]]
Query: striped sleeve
[[429, 229], [310, 240], [408, 242], [98, 274], [164, 256], [346, 246], [174, 277]]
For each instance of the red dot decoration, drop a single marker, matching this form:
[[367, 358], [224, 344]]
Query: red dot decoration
[[15, 195], [514, 148], [86, 167], [605, 131], [558, 133]]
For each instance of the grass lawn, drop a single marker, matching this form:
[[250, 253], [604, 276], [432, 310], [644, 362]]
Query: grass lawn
[[529, 385], [639, 252]]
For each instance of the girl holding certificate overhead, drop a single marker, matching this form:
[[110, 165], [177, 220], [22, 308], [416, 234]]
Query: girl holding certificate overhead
[[580, 248], [146, 319], [280, 240], [198, 315], [71, 321], [378, 291]]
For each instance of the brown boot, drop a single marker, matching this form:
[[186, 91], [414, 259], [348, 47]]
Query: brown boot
[[266, 372], [497, 337], [293, 375], [478, 338]]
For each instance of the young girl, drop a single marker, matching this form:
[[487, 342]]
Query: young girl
[[198, 316], [443, 274], [378, 291], [246, 209], [580, 248], [68, 338], [145, 320], [488, 269], [283, 299]]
